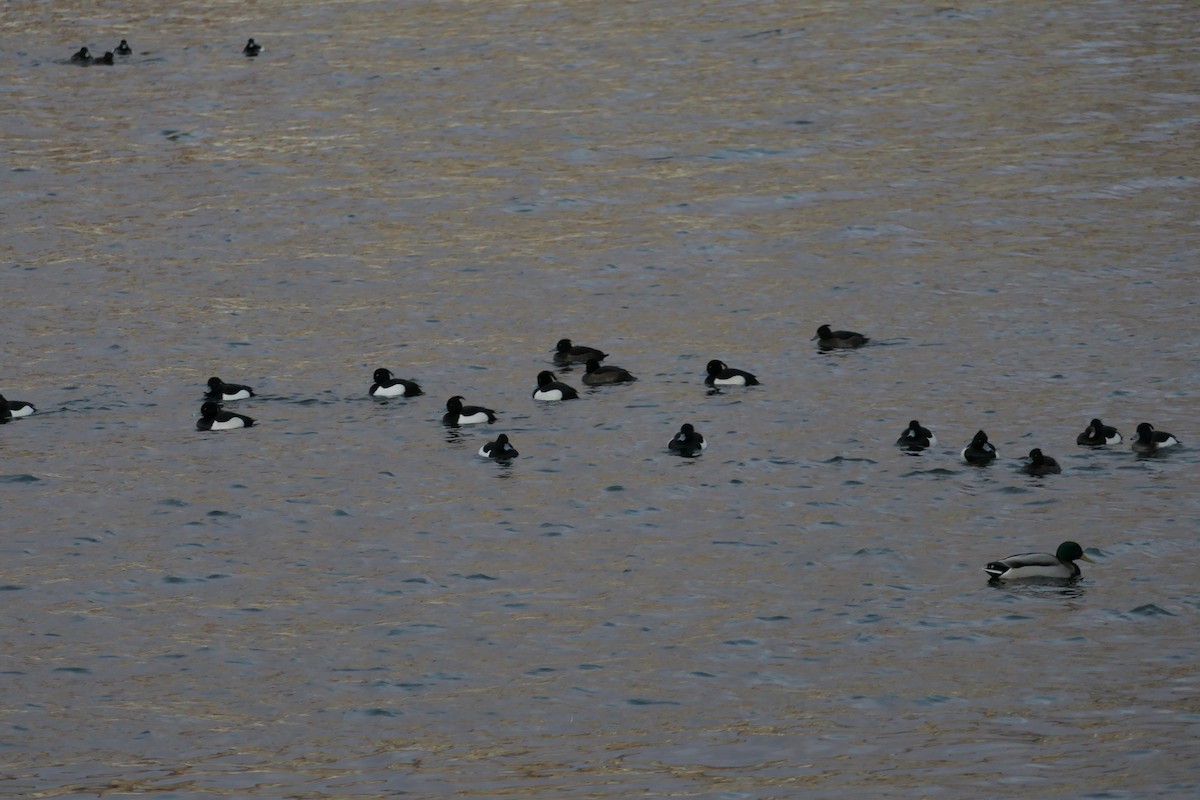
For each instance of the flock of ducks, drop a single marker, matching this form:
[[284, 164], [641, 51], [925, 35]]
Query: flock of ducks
[[84, 58], [689, 442]]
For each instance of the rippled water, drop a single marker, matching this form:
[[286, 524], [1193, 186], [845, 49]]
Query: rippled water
[[344, 601]]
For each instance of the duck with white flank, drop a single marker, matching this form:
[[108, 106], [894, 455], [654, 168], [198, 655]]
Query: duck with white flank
[[14, 409], [721, 374], [597, 375], [458, 414], [828, 339], [1097, 433], [980, 451], [1038, 565], [214, 418], [550, 389], [387, 385], [499, 449], [1150, 441], [221, 391]]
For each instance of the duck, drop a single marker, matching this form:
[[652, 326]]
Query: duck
[[721, 374], [106, 59], [597, 375], [252, 49], [123, 49], [219, 390], [916, 437], [388, 386], [499, 448], [82, 57], [1098, 433], [550, 389], [214, 418], [567, 353], [1041, 464], [980, 450], [1150, 441], [828, 339], [1039, 565], [458, 414], [688, 441], [14, 409]]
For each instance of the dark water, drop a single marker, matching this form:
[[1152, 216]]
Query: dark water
[[345, 601]]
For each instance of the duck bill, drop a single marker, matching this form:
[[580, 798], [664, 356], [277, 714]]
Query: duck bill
[[1084, 557]]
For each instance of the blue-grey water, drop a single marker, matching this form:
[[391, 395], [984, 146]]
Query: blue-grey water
[[345, 601]]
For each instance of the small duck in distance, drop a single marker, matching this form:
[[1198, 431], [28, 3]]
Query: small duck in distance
[[1038, 565], [916, 437], [252, 49], [1041, 464], [387, 385], [721, 374], [597, 375], [499, 449], [567, 353], [550, 389], [1149, 441], [123, 49], [1097, 433], [106, 59], [828, 339], [219, 390], [82, 57]]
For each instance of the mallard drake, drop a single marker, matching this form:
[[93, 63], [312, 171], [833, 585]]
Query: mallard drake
[[1039, 565]]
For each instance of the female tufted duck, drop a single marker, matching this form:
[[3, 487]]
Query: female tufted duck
[[831, 340]]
